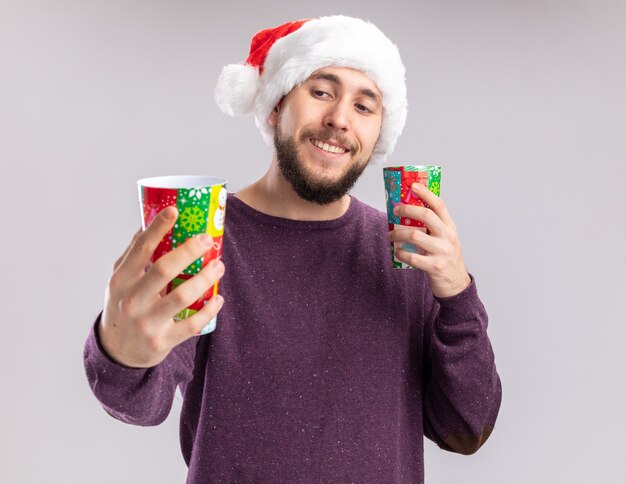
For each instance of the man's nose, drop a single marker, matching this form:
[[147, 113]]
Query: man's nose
[[338, 116]]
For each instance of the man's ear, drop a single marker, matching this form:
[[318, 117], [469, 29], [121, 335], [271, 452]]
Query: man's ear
[[273, 117]]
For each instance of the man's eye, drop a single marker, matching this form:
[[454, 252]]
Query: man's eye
[[363, 108], [319, 93]]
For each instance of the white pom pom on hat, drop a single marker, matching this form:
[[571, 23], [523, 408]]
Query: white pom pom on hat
[[237, 88], [283, 57]]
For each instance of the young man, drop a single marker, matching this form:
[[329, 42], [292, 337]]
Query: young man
[[326, 364]]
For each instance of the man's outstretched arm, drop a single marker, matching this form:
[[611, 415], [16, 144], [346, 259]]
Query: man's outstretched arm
[[136, 354]]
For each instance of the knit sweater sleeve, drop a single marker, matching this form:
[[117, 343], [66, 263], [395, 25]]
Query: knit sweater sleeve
[[462, 392], [138, 396]]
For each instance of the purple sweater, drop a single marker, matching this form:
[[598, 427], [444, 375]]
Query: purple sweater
[[327, 365]]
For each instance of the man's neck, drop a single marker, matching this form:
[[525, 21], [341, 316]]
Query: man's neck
[[273, 195]]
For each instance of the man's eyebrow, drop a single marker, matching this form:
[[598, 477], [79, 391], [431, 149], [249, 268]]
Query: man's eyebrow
[[327, 76], [336, 80]]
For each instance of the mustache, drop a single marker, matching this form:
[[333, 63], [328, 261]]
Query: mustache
[[328, 134]]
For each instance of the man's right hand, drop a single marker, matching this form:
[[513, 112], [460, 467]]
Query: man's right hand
[[137, 328]]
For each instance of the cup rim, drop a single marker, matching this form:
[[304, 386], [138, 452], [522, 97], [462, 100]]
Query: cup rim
[[181, 181], [412, 166]]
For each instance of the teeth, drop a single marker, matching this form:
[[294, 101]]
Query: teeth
[[327, 147]]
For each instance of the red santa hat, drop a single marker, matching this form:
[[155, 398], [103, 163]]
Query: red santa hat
[[283, 57]]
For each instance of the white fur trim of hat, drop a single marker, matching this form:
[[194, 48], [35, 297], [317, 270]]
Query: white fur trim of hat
[[284, 57]]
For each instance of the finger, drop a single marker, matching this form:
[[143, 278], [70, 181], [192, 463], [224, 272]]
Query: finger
[[121, 258], [144, 244], [435, 203], [192, 326], [418, 237], [421, 214], [414, 260], [168, 267]]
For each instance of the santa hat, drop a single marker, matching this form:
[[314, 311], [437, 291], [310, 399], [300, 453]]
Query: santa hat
[[283, 57]]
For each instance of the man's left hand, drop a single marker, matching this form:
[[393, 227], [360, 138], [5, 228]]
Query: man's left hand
[[443, 259]]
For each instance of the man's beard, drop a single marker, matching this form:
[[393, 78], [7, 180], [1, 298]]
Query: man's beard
[[322, 192]]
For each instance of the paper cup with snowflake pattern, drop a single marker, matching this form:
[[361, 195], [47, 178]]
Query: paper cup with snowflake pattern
[[398, 181], [201, 204]]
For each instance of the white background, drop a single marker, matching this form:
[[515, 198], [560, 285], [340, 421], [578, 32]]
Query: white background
[[522, 102]]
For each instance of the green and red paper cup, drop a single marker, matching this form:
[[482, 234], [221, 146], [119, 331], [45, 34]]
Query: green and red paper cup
[[398, 181], [201, 204]]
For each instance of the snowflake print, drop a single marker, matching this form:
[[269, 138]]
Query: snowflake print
[[435, 171], [198, 192], [191, 219]]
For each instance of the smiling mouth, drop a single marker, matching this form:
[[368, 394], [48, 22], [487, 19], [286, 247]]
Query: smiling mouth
[[327, 147]]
